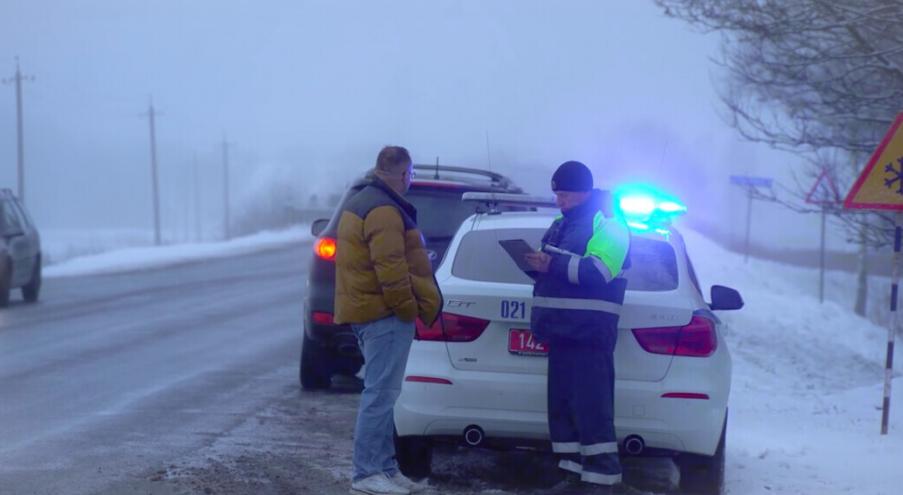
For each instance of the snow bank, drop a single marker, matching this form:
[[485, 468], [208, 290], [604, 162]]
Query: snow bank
[[807, 385], [141, 258]]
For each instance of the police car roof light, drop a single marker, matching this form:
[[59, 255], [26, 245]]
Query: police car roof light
[[643, 204]]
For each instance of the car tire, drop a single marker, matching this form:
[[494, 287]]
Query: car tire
[[702, 474], [32, 289], [6, 279], [414, 455], [314, 370]]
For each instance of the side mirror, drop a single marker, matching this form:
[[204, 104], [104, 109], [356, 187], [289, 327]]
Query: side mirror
[[318, 226], [725, 298]]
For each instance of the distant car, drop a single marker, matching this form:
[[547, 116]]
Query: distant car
[[329, 349], [478, 377], [20, 250]]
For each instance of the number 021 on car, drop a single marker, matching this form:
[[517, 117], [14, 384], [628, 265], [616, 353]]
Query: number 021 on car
[[522, 342]]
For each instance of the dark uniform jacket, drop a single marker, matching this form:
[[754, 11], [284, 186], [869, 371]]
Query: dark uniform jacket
[[382, 268], [582, 292]]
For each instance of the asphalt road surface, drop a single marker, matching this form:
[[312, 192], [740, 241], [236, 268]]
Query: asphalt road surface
[[183, 380]]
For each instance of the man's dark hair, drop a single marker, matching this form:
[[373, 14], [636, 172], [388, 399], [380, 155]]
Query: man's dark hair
[[393, 159]]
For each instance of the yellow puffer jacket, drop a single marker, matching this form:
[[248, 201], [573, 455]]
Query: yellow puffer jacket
[[382, 267]]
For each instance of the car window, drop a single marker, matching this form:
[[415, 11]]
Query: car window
[[439, 213], [9, 219], [480, 257], [653, 265]]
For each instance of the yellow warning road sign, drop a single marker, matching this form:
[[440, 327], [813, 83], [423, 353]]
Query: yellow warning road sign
[[880, 185]]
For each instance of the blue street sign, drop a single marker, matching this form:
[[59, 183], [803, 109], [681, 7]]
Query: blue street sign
[[745, 180]]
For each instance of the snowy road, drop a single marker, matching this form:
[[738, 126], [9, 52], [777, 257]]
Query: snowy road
[[112, 377]]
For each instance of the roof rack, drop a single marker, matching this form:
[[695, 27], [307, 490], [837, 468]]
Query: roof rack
[[496, 178], [494, 201]]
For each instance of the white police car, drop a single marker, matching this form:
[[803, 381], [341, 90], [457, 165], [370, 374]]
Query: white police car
[[479, 377]]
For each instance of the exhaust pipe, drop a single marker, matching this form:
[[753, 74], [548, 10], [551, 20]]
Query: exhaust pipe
[[634, 445], [473, 435]]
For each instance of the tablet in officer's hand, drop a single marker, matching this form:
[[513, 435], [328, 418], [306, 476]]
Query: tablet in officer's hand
[[518, 249]]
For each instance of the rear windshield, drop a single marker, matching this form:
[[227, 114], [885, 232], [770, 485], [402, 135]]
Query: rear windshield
[[440, 213], [653, 264]]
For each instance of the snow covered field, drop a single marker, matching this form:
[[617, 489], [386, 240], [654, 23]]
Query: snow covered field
[[807, 385]]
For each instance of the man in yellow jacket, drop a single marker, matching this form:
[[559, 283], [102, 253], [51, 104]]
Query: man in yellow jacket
[[384, 282]]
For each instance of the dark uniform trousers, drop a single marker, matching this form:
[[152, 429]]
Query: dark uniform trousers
[[581, 405]]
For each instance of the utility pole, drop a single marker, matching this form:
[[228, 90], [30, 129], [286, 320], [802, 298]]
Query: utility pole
[[226, 233], [151, 114], [20, 139]]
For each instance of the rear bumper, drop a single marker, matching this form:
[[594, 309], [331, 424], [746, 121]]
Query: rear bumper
[[513, 405]]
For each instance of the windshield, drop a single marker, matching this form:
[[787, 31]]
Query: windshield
[[653, 264]]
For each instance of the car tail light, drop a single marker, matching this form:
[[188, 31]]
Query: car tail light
[[325, 248], [322, 318], [696, 339], [452, 328]]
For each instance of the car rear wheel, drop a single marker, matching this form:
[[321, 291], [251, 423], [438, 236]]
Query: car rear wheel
[[6, 279], [414, 455], [702, 474], [32, 289], [315, 370]]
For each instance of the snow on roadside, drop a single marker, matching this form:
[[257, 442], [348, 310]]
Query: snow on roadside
[[807, 385], [142, 258]]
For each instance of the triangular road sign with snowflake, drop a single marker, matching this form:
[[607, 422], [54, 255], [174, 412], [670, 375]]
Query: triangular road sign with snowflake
[[880, 185]]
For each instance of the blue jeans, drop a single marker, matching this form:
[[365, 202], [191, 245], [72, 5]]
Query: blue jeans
[[385, 344]]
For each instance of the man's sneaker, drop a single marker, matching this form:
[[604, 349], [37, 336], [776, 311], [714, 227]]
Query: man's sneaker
[[377, 484], [405, 482]]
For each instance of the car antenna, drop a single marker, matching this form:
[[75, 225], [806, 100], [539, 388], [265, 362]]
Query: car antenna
[[436, 175]]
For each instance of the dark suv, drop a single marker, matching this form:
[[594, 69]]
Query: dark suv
[[20, 250], [436, 191]]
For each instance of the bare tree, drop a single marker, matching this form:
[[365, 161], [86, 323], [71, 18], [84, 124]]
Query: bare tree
[[820, 78]]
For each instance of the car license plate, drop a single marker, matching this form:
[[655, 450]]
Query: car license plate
[[522, 342]]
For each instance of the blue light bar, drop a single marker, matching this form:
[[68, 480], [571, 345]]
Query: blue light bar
[[645, 207]]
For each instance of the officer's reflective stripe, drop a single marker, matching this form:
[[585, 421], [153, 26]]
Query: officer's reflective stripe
[[566, 447], [600, 479], [570, 466], [599, 448], [574, 270], [571, 303], [606, 273]]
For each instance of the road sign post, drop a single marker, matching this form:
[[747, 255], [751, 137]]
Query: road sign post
[[824, 193], [880, 187], [750, 183]]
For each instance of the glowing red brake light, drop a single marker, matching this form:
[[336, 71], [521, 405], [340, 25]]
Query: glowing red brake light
[[325, 248], [696, 339], [322, 318], [457, 328]]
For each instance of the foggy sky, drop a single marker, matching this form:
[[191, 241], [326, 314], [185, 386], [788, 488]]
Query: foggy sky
[[308, 91]]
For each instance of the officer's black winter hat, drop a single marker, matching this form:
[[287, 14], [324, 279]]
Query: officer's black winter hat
[[572, 176]]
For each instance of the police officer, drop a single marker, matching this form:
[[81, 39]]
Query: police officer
[[577, 300]]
